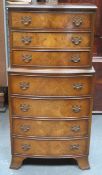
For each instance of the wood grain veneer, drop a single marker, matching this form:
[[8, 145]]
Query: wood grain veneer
[[45, 85], [51, 148], [49, 59], [50, 109], [51, 40], [54, 108], [53, 128], [42, 20]]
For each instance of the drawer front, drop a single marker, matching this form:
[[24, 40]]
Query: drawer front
[[50, 147], [51, 107], [50, 59], [51, 85], [50, 128], [50, 40], [29, 20]]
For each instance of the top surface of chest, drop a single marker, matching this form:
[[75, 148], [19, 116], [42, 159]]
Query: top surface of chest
[[53, 6]]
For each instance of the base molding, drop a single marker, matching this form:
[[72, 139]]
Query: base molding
[[17, 162]]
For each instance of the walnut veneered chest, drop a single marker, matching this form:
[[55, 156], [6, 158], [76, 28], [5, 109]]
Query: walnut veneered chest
[[50, 81]]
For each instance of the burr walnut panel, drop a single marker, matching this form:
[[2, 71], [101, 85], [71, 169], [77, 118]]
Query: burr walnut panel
[[50, 128], [35, 59], [30, 20], [50, 147], [45, 85], [55, 108], [51, 40]]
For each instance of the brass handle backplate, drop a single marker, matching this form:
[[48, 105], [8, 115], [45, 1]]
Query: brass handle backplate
[[25, 128], [75, 147], [24, 85], [76, 108], [75, 128], [27, 58], [26, 20], [75, 59], [78, 86], [26, 40], [26, 147], [77, 21], [24, 107], [76, 40]]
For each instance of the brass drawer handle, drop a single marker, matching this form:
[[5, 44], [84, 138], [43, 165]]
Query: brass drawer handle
[[26, 147], [76, 108], [75, 147], [26, 20], [76, 40], [24, 107], [27, 58], [78, 86], [77, 21], [75, 59], [24, 85], [26, 40], [25, 128], [75, 128]]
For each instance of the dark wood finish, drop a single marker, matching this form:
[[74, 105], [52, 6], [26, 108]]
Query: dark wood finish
[[98, 87], [3, 76], [50, 109], [1, 101], [3, 79]]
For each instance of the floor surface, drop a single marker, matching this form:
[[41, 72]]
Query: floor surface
[[41, 167]]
